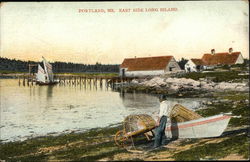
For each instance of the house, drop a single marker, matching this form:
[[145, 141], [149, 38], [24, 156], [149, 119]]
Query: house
[[148, 66], [194, 65], [211, 60]]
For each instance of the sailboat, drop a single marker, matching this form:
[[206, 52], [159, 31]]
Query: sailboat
[[45, 76]]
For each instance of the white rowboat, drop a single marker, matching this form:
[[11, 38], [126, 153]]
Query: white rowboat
[[200, 128]]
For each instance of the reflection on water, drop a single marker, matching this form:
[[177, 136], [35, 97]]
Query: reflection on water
[[49, 91], [28, 111], [140, 101]]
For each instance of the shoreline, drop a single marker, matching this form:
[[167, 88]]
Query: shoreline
[[98, 143]]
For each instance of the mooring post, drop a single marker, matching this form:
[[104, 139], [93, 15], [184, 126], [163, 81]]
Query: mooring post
[[84, 82], [74, 80], [100, 82], [122, 82], [107, 83], [19, 82], [32, 81], [96, 81], [23, 80], [90, 82], [28, 80], [69, 80], [113, 83]]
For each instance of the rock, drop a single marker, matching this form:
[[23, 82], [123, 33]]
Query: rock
[[176, 84], [134, 81], [224, 100], [209, 103]]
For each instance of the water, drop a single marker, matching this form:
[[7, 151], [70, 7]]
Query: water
[[30, 111]]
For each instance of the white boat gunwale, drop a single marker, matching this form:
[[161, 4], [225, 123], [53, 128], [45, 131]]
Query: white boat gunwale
[[197, 122]]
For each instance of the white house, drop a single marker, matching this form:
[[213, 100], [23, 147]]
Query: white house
[[194, 65], [148, 66], [213, 59]]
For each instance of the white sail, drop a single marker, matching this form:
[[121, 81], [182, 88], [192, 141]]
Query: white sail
[[40, 76], [48, 71]]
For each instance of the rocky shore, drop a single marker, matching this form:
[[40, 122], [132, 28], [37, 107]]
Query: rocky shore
[[177, 84]]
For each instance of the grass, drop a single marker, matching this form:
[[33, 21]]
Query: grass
[[234, 102], [235, 96], [94, 142], [10, 72], [224, 76], [238, 144]]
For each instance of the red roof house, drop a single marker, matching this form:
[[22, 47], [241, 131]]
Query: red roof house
[[213, 59], [148, 65]]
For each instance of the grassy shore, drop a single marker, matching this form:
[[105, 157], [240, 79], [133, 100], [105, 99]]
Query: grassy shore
[[91, 145], [11, 72], [98, 143], [217, 76]]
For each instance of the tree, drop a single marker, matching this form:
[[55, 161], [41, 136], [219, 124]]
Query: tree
[[182, 63], [22, 66]]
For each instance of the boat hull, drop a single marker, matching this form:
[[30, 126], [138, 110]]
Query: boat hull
[[50, 83], [200, 128]]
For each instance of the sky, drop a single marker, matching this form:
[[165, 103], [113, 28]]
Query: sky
[[62, 31]]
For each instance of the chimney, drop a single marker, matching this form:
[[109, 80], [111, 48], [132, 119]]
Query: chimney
[[212, 51], [230, 50]]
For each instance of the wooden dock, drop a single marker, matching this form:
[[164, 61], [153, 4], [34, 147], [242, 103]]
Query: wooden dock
[[78, 80]]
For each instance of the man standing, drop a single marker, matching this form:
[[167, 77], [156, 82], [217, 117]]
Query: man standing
[[164, 114]]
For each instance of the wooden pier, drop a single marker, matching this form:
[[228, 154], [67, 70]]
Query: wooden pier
[[78, 80]]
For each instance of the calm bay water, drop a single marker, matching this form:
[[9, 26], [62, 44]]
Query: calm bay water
[[30, 111]]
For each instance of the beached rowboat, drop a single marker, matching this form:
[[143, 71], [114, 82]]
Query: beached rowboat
[[184, 123], [200, 128]]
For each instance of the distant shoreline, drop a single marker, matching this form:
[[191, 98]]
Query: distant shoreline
[[13, 74]]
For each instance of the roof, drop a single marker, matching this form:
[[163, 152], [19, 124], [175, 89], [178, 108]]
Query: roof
[[221, 58], [206, 57], [146, 63], [197, 61], [217, 58]]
